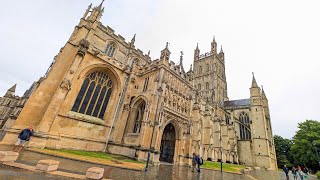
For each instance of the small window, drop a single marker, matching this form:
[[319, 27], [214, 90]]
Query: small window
[[146, 82], [110, 49], [199, 87], [207, 86]]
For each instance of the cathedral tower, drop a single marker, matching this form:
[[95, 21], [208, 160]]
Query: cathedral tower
[[210, 79]]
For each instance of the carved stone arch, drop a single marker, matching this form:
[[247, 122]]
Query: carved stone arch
[[176, 126], [138, 98], [78, 83], [138, 114], [102, 67]]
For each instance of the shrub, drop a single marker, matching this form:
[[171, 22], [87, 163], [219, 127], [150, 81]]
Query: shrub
[[318, 174]]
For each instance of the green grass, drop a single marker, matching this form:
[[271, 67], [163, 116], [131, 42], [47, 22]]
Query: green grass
[[225, 166], [99, 155]]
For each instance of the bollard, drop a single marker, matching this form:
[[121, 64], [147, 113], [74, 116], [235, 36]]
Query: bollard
[[94, 173], [47, 165]]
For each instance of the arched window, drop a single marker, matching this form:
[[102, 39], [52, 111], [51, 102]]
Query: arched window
[[94, 95], [111, 47], [199, 87], [139, 117], [227, 119], [245, 133], [208, 67], [200, 69], [207, 86]]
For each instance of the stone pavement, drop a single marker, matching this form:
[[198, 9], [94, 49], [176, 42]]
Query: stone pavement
[[161, 172]]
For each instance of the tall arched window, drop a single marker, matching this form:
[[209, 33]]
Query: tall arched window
[[139, 117], [111, 47], [94, 95], [200, 69], [207, 86], [245, 133]]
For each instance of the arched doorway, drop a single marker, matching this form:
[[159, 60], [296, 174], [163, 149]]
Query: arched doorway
[[168, 142]]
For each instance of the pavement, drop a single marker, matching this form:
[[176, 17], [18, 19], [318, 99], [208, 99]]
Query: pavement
[[162, 172]]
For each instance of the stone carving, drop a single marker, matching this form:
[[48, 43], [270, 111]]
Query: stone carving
[[66, 85], [83, 47]]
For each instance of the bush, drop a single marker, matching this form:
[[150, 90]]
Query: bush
[[318, 174]]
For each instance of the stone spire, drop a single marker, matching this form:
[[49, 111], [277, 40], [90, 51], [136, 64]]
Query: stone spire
[[10, 92], [13, 88], [214, 46], [133, 40], [196, 53], [181, 62], [263, 94], [100, 6], [254, 82]]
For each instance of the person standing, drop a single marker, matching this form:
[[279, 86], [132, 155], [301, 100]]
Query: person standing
[[23, 138], [286, 170], [294, 173], [194, 161]]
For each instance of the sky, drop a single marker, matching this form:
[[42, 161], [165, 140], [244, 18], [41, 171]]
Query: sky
[[277, 40]]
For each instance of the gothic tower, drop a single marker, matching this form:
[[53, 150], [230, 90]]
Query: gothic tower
[[210, 79]]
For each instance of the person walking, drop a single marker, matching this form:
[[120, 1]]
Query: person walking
[[23, 138], [294, 173], [194, 162], [300, 172], [286, 170], [199, 162]]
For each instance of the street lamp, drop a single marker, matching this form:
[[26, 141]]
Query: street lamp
[[220, 139], [154, 125]]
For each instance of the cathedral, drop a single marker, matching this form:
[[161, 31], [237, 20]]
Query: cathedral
[[101, 93]]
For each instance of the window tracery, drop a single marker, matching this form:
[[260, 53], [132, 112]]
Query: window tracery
[[94, 95]]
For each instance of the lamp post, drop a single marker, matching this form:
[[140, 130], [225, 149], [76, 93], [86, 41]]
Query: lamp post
[[154, 125], [220, 139], [220, 120]]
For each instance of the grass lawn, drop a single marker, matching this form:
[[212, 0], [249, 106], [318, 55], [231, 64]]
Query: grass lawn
[[100, 155], [225, 167], [95, 157]]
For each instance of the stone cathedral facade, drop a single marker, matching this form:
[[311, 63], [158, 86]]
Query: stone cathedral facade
[[101, 93]]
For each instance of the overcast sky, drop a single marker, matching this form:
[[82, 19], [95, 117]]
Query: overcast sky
[[278, 40]]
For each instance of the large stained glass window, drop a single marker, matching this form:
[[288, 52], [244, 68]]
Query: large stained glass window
[[245, 133], [94, 95]]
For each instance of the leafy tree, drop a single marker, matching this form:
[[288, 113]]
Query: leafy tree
[[306, 143], [283, 147]]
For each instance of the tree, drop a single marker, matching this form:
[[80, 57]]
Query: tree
[[306, 142], [283, 153]]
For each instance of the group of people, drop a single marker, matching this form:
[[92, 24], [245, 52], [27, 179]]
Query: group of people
[[301, 172], [197, 161]]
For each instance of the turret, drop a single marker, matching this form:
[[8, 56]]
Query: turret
[[221, 54], [214, 46], [165, 53], [96, 13], [196, 53], [254, 90], [10, 92]]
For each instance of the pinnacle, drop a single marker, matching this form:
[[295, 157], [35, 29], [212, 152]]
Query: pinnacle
[[263, 94], [13, 88], [100, 6], [254, 82]]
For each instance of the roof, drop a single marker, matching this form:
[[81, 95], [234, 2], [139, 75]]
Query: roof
[[237, 103]]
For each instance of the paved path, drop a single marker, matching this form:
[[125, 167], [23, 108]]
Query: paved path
[[162, 172]]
